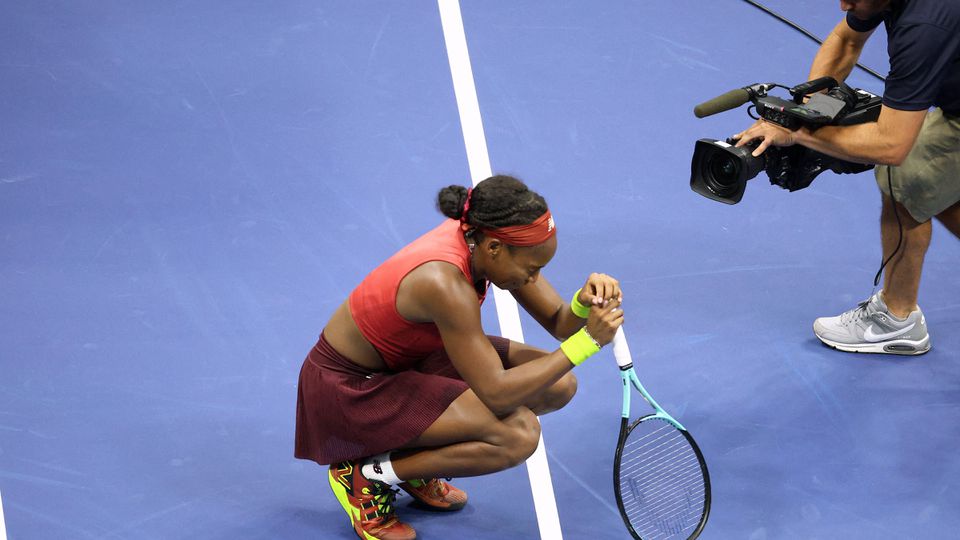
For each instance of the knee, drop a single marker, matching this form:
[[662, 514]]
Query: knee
[[564, 391], [520, 439], [526, 438], [558, 395]]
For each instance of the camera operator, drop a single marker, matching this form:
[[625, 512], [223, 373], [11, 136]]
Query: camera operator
[[917, 152]]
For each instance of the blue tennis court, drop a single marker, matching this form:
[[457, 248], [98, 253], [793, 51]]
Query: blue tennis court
[[188, 189]]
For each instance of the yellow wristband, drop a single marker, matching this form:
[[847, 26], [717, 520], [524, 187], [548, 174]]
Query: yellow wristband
[[580, 346], [577, 308]]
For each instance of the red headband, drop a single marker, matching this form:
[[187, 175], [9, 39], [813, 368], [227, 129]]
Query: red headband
[[466, 206], [538, 232]]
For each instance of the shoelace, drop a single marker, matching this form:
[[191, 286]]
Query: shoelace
[[438, 487], [385, 501], [861, 312]]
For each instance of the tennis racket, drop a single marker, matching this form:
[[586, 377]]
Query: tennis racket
[[659, 476]]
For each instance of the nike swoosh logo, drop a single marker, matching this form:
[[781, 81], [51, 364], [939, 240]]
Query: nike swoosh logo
[[870, 336]]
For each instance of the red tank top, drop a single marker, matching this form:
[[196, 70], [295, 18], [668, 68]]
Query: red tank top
[[373, 304]]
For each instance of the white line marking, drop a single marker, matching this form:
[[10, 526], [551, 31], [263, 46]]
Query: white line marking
[[3, 527], [465, 90], [507, 311]]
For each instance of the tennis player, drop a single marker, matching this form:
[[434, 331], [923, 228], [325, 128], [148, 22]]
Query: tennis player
[[404, 386]]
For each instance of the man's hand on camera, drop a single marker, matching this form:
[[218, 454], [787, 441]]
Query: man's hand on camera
[[768, 134]]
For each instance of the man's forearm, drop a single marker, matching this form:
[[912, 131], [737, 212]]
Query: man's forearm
[[861, 143]]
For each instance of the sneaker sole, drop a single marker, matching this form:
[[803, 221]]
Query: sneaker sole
[[904, 347], [419, 503]]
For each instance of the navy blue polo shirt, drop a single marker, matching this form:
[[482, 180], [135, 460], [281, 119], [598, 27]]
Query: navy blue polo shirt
[[923, 42]]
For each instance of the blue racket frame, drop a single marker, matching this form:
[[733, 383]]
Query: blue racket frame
[[628, 377]]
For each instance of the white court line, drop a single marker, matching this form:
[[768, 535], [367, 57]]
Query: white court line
[[507, 312], [3, 527]]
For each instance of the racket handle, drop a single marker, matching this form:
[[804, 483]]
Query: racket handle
[[620, 349]]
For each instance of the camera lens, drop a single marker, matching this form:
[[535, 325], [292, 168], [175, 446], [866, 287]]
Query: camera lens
[[720, 170], [723, 174]]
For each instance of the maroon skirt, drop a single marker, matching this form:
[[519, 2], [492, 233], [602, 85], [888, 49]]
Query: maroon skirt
[[346, 412]]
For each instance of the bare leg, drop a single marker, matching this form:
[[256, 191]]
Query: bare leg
[[469, 440], [902, 274], [951, 219]]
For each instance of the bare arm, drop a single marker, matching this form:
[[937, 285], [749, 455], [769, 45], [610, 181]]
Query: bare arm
[[544, 304], [437, 292], [886, 141], [839, 52], [440, 294], [552, 311], [889, 140]]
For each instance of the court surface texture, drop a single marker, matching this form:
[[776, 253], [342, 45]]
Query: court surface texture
[[189, 188]]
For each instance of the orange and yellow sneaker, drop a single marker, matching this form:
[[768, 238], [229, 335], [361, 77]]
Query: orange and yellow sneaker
[[436, 494], [369, 504]]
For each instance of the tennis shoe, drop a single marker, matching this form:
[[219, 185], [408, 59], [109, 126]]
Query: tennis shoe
[[871, 328], [368, 503], [436, 494]]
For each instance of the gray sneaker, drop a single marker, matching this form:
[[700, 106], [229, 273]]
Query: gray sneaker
[[870, 328]]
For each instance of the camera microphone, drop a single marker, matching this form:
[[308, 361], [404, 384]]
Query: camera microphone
[[725, 102], [730, 100]]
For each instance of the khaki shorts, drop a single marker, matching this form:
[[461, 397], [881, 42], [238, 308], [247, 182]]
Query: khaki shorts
[[928, 181]]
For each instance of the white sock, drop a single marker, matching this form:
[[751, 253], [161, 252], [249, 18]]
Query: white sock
[[380, 469]]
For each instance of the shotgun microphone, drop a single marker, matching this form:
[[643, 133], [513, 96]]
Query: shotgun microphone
[[731, 100]]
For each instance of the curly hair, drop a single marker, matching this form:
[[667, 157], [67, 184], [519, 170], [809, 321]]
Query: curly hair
[[498, 201]]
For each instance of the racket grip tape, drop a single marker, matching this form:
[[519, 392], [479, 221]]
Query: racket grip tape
[[621, 351]]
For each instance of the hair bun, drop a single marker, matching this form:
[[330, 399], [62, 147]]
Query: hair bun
[[451, 200]]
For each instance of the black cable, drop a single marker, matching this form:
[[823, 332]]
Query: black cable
[[876, 279], [805, 32]]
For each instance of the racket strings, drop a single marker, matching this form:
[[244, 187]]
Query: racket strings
[[661, 482], [662, 468], [669, 484], [664, 459]]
